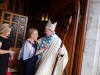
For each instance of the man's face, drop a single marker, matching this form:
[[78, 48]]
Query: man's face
[[48, 32]]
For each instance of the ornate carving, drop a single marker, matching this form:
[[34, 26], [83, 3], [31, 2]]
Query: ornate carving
[[63, 15], [64, 19]]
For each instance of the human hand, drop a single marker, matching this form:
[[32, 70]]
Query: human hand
[[11, 55], [61, 51], [46, 46], [11, 52]]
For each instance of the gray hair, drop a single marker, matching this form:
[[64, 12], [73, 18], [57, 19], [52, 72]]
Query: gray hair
[[31, 30]]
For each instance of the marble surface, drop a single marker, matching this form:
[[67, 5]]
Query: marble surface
[[94, 8], [91, 57], [92, 33], [86, 70], [93, 20], [90, 46], [94, 1], [90, 60]]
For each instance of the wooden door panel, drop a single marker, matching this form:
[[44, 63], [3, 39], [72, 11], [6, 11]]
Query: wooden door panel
[[13, 33], [18, 24]]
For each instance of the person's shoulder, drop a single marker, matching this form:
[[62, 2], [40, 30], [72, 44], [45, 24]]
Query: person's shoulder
[[1, 38], [40, 39], [57, 38], [26, 42]]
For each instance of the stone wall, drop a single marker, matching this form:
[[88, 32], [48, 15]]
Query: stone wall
[[91, 58]]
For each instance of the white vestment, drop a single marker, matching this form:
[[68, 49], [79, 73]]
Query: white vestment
[[46, 63]]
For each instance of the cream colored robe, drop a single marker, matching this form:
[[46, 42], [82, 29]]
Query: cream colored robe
[[46, 63]]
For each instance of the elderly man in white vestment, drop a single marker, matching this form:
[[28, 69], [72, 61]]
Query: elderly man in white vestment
[[47, 59]]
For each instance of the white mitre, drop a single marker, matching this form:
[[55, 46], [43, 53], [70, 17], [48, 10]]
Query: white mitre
[[51, 26]]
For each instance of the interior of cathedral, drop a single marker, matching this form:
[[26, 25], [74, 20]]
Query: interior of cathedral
[[25, 14]]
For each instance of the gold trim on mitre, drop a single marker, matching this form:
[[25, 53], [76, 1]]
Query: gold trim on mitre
[[51, 25]]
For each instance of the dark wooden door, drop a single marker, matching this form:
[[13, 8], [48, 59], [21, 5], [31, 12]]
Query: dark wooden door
[[60, 12]]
